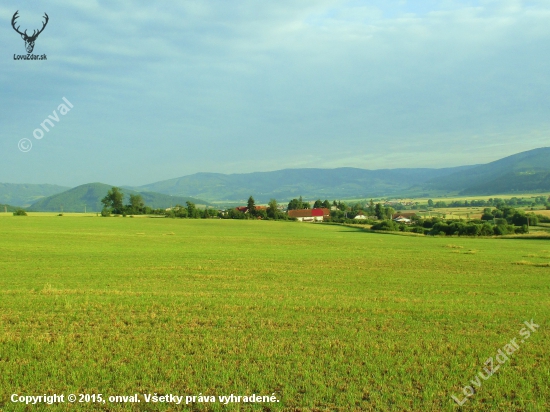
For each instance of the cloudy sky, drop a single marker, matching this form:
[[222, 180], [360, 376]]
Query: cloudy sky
[[161, 90]]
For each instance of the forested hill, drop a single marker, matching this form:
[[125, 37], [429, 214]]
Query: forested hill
[[7, 208], [26, 194], [520, 173], [523, 172], [286, 184], [88, 197]]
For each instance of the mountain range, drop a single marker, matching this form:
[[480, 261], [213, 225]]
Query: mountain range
[[340, 183], [520, 173], [523, 172]]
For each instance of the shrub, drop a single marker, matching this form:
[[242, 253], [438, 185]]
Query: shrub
[[441, 228], [20, 212], [106, 212], [235, 214], [429, 223], [474, 230], [386, 225], [522, 229], [500, 230], [487, 230], [504, 229], [533, 219]]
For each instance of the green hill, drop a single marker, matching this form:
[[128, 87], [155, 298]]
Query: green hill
[[26, 194], [7, 208], [88, 197], [523, 172], [515, 182], [284, 185]]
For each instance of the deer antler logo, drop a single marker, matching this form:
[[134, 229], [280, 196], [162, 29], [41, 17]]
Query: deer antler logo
[[29, 40]]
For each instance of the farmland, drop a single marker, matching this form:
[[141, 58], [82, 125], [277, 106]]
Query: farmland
[[325, 317]]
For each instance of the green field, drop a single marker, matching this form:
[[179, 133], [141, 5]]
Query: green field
[[325, 317]]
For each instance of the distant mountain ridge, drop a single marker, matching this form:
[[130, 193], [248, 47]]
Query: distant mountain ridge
[[523, 172], [24, 195], [283, 185], [88, 197]]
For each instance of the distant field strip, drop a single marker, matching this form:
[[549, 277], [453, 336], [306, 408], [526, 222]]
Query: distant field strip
[[326, 317]]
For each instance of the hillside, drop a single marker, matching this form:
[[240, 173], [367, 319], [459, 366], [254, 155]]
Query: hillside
[[283, 185], [25, 194], [523, 172], [88, 197], [7, 208]]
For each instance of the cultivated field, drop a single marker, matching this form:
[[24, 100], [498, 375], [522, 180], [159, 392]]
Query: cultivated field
[[466, 213], [325, 317], [454, 213]]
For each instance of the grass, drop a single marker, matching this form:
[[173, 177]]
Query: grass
[[326, 317]]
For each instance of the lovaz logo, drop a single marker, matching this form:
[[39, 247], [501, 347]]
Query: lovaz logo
[[29, 40]]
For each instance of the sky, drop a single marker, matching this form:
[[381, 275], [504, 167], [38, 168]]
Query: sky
[[161, 90]]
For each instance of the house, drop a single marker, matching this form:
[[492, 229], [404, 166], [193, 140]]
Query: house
[[310, 215], [401, 219], [405, 218], [406, 215]]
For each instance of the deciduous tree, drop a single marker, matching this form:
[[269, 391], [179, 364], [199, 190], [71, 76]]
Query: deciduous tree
[[136, 204], [371, 209], [192, 211], [273, 209], [251, 204], [113, 200]]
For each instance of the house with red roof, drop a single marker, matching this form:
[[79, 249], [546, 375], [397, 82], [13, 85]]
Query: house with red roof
[[310, 215]]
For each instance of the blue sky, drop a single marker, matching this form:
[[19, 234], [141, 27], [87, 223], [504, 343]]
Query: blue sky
[[165, 90]]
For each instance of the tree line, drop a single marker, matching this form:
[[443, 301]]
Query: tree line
[[496, 202], [494, 222], [113, 203], [500, 220]]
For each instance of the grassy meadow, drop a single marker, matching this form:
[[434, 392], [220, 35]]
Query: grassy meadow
[[326, 317]]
